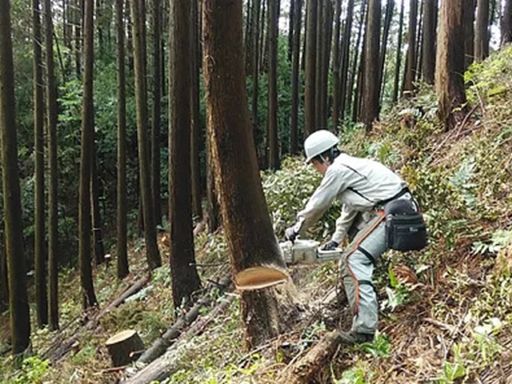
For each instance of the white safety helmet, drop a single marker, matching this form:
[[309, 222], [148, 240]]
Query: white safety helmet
[[319, 142]]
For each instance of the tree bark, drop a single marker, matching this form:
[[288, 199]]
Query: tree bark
[[450, 63], [273, 129], [326, 58], [247, 224], [291, 28], [152, 253], [390, 6], [53, 221], [18, 300], [398, 54], [469, 32], [255, 65], [294, 118], [347, 34], [97, 234], [87, 144], [353, 94], [122, 251], [185, 279], [310, 71], [506, 23], [429, 40], [157, 108], [482, 30], [410, 70], [196, 131], [40, 255], [319, 56], [303, 371], [336, 63], [371, 86], [4, 289]]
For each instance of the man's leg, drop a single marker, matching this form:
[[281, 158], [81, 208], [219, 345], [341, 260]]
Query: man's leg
[[357, 268]]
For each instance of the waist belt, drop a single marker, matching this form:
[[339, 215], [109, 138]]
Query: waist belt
[[402, 192]]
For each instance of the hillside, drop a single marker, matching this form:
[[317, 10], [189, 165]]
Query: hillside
[[446, 312]]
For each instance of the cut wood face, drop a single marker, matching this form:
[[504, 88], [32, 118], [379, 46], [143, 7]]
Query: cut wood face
[[124, 335], [259, 277]]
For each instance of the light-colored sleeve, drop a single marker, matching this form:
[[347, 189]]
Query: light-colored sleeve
[[322, 198], [343, 223]]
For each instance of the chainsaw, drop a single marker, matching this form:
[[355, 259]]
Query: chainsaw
[[303, 251]]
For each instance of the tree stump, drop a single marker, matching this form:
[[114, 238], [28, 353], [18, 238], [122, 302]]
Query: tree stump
[[121, 347]]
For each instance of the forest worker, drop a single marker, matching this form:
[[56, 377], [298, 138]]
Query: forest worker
[[364, 187]]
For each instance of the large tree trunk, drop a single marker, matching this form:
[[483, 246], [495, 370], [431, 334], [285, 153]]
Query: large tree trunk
[[18, 300], [157, 107], [122, 251], [410, 72], [196, 132], [429, 40], [347, 34], [39, 205], [273, 133], [294, 118], [87, 146], [469, 32], [396, 85], [371, 86], [247, 224], [450, 63], [152, 253], [310, 71], [185, 279], [506, 23], [53, 215], [482, 30]]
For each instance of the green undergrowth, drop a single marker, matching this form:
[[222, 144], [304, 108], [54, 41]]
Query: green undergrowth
[[446, 311]]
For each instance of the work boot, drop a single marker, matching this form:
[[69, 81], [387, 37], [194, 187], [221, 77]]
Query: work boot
[[352, 338]]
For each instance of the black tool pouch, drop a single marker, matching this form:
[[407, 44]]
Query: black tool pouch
[[405, 227]]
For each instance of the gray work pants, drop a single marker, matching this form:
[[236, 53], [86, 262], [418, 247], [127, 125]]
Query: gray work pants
[[357, 265]]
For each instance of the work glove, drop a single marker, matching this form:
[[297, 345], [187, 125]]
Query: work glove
[[290, 234], [330, 246]]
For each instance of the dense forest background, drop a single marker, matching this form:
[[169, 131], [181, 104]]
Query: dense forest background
[[111, 126]]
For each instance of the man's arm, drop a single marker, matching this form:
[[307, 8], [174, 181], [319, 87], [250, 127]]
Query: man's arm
[[343, 224], [321, 199]]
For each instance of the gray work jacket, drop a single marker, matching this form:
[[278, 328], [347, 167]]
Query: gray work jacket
[[360, 184]]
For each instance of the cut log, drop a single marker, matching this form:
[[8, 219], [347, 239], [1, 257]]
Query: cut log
[[304, 370], [122, 345], [170, 362], [260, 277], [60, 348], [160, 345]]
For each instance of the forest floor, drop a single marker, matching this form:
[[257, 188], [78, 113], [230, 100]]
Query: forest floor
[[446, 312]]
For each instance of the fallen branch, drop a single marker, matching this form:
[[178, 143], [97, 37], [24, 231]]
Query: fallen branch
[[159, 346], [169, 363], [303, 371], [60, 349]]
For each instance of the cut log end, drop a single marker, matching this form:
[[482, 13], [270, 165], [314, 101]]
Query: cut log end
[[260, 277], [122, 346]]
